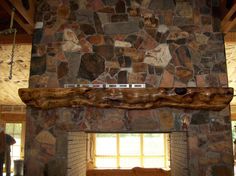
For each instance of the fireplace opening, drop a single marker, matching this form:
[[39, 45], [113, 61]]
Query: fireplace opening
[[128, 150], [91, 154]]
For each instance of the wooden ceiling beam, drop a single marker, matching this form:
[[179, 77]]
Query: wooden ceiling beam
[[227, 23], [27, 14], [27, 27], [20, 39]]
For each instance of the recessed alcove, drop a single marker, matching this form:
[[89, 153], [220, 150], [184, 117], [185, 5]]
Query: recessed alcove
[[127, 153]]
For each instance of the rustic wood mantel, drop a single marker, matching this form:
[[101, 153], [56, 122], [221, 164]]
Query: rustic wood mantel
[[148, 98]]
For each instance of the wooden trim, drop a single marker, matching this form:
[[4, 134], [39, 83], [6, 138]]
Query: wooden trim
[[20, 39], [233, 116], [23, 139], [118, 150], [230, 37], [12, 117], [141, 150]]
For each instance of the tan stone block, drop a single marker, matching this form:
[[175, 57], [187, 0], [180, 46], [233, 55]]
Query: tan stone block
[[166, 120]]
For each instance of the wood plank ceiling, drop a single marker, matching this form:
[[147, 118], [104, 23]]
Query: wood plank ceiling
[[24, 24]]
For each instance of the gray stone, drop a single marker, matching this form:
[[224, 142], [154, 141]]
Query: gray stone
[[38, 65], [201, 117], [121, 28], [73, 64], [110, 2], [162, 4]]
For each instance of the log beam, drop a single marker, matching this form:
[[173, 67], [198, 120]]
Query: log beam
[[188, 98], [18, 18], [228, 23]]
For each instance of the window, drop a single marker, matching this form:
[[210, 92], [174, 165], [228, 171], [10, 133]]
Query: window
[[131, 150], [15, 130]]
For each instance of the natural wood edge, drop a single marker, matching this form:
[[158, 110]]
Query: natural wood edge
[[188, 98]]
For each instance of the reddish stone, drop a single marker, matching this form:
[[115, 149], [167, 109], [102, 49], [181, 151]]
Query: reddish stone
[[148, 41], [119, 37], [167, 79], [86, 46], [184, 57], [96, 39], [139, 67], [53, 81], [63, 11], [134, 54], [95, 5], [166, 120], [196, 17], [223, 79], [201, 80], [221, 170], [106, 51], [136, 78], [168, 18], [183, 73], [62, 69]]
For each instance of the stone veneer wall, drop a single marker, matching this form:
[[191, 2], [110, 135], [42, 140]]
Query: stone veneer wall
[[162, 43]]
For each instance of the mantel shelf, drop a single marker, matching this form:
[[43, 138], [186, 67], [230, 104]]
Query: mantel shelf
[[129, 98]]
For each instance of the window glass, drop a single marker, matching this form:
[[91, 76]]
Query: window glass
[[130, 144], [153, 144], [106, 144], [103, 162], [129, 162], [154, 162], [130, 150], [9, 128]]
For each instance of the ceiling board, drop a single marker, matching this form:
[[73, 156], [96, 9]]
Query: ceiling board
[[9, 88], [230, 50]]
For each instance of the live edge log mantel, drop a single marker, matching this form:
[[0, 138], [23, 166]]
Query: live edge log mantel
[[148, 98]]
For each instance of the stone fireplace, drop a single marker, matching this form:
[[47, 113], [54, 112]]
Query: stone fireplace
[[164, 44]]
